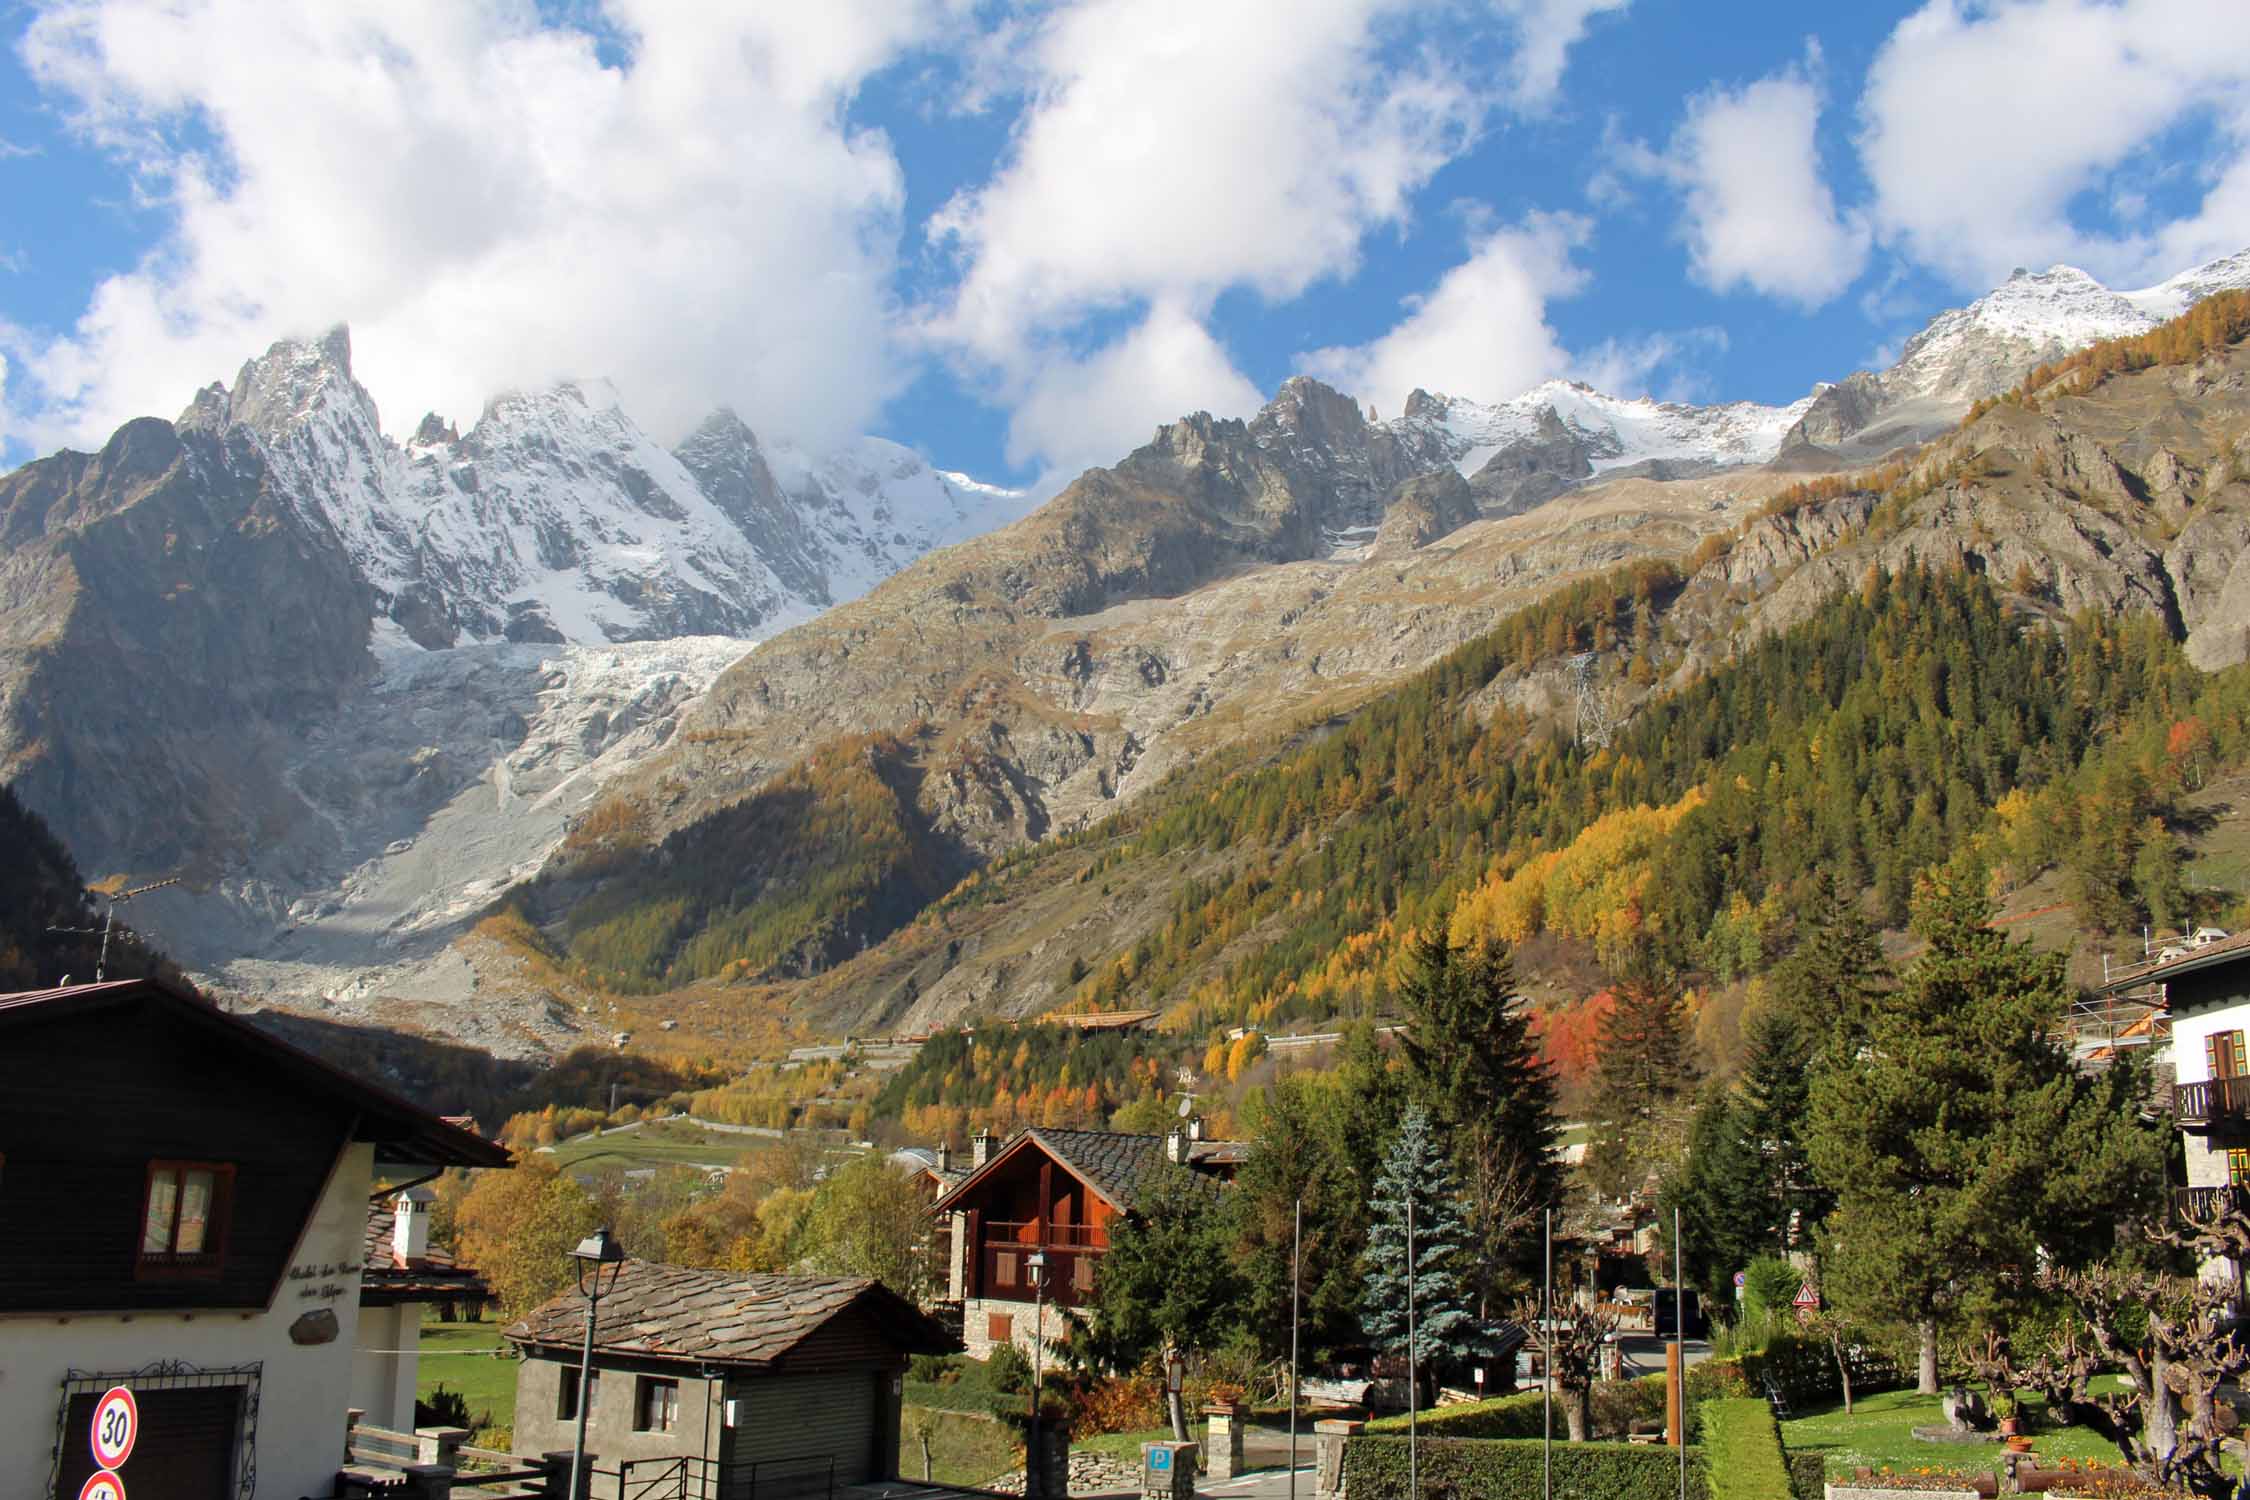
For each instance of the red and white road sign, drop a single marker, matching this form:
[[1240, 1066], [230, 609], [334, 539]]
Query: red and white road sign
[[117, 1422], [1808, 1295], [102, 1485]]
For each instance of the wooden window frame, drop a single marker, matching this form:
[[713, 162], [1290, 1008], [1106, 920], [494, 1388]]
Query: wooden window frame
[[2238, 1166], [646, 1387], [1000, 1328], [211, 1260]]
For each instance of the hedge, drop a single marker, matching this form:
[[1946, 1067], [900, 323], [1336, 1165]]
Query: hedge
[[1805, 1370], [1468, 1469], [1742, 1448], [1808, 1475], [1618, 1404]]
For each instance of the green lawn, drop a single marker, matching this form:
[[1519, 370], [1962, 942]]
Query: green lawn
[[964, 1450], [473, 1359], [669, 1143], [1127, 1445], [1879, 1433]]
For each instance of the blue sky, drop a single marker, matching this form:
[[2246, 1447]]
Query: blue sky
[[1018, 237]]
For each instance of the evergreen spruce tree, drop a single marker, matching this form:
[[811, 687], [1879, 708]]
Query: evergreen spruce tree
[[1960, 1141], [1774, 1095], [1728, 1212], [1643, 1082], [1472, 1060], [1835, 969], [1447, 1329]]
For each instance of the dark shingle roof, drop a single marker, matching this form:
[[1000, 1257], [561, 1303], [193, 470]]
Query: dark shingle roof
[[724, 1317], [2210, 955], [1113, 1163]]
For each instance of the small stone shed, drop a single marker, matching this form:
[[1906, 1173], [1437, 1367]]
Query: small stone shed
[[791, 1374]]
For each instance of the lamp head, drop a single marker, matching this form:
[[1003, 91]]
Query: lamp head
[[600, 1260], [1036, 1264]]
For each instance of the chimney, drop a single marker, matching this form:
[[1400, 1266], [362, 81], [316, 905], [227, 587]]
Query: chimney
[[1195, 1127], [980, 1148], [410, 1226], [944, 1157], [1175, 1146]]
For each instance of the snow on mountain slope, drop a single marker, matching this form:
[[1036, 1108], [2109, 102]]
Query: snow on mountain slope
[[556, 518], [2168, 299], [1612, 431]]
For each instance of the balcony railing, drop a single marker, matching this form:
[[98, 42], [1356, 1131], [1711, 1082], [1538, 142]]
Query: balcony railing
[[2200, 1205], [2212, 1100], [1072, 1250]]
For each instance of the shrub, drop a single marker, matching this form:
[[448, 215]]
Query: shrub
[[1808, 1475], [1804, 1370], [1375, 1468], [444, 1409], [1009, 1369], [1742, 1451], [1769, 1286]]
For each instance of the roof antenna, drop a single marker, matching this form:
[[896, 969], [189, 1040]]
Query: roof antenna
[[109, 922]]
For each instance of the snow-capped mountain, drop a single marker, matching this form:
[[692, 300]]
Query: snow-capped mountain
[[1614, 431], [1980, 350], [556, 518]]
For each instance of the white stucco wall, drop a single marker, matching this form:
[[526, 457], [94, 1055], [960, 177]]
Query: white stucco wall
[[303, 1390], [386, 1364], [2192, 1064]]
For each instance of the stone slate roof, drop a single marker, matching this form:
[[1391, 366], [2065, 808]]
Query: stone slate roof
[[1113, 1163], [2210, 955], [737, 1318], [432, 1277]]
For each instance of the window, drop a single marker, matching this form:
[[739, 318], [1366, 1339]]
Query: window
[[184, 1217], [2238, 1167], [566, 1394], [2225, 1053], [1004, 1268], [1082, 1275], [656, 1405], [1000, 1328]]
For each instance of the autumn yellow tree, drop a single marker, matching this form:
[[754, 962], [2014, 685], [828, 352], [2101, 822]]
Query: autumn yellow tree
[[517, 1226]]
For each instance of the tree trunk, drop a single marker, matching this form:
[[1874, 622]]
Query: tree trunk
[[1174, 1406], [1843, 1372], [1577, 1409], [2160, 1423], [1927, 1383]]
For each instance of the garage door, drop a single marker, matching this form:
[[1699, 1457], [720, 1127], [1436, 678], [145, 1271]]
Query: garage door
[[791, 1427], [185, 1451]]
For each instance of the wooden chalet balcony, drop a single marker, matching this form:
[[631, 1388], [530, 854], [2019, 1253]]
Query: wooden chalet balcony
[[1072, 1251], [2202, 1204], [2212, 1101]]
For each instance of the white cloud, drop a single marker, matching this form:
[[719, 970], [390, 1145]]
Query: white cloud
[[1481, 333], [1083, 411], [1172, 150], [1981, 124], [488, 204], [1756, 211], [1546, 30]]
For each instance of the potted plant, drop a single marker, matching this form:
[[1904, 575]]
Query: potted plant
[[2008, 1407]]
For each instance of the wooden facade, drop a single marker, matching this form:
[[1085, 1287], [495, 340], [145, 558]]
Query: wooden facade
[[1032, 1203], [85, 1113]]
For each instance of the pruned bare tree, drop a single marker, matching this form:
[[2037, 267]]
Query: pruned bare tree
[[1571, 1338], [2172, 1338], [1505, 1196]]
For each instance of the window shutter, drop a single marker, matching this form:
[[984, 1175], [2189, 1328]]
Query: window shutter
[[2211, 1056], [1001, 1328]]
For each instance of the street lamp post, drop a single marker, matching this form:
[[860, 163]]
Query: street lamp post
[[1034, 1475], [598, 1256]]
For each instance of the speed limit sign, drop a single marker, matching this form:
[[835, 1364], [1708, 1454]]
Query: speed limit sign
[[102, 1486], [117, 1422]]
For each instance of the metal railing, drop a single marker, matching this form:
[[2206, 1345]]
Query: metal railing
[[2211, 1100], [2203, 1204]]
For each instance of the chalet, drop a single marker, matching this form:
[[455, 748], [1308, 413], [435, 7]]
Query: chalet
[[1053, 1193], [403, 1273], [2205, 994], [744, 1383], [183, 1212]]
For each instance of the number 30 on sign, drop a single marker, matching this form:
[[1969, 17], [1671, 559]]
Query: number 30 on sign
[[103, 1486], [117, 1422]]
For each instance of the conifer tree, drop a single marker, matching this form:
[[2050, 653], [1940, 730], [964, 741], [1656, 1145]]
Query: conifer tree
[[1959, 1140], [1643, 1080], [1472, 1061], [1447, 1329], [1727, 1209], [1835, 969], [1775, 1094]]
